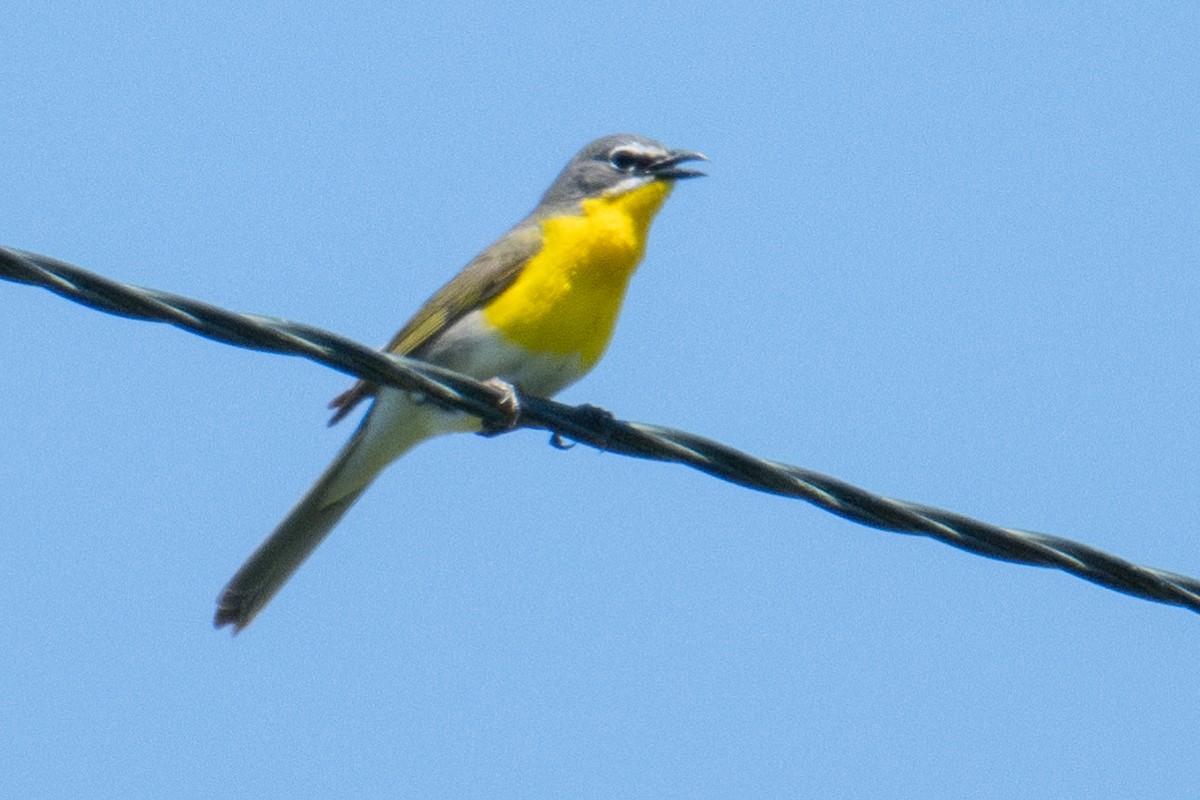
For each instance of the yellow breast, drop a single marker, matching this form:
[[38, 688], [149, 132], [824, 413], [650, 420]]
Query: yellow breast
[[566, 300]]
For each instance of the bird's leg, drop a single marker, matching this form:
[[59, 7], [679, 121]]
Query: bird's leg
[[508, 402]]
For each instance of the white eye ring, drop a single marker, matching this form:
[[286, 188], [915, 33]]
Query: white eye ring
[[626, 160]]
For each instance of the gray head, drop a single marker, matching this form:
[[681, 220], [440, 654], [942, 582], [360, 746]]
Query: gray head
[[617, 164]]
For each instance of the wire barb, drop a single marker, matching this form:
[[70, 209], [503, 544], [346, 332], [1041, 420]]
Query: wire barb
[[600, 429]]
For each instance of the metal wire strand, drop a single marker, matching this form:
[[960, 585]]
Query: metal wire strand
[[599, 429]]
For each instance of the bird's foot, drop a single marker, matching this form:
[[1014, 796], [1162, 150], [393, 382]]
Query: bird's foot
[[509, 403]]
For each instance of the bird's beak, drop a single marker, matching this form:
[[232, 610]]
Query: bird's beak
[[668, 167]]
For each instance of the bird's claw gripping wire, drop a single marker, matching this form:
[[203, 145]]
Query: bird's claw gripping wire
[[508, 402]]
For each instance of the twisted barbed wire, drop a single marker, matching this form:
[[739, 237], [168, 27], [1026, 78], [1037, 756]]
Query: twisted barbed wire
[[599, 429]]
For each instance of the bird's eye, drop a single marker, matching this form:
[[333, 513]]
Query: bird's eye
[[626, 161]]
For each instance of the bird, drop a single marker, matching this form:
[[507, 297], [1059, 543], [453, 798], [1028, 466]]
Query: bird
[[534, 311]]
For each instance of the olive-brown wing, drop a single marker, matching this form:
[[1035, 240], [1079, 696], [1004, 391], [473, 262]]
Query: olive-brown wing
[[488, 274]]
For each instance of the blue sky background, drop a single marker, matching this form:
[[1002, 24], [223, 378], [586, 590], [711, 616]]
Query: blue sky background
[[948, 254]]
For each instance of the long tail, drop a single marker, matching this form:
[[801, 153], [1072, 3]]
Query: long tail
[[292, 541], [392, 427]]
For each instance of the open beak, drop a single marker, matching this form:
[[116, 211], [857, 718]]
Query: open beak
[[668, 167]]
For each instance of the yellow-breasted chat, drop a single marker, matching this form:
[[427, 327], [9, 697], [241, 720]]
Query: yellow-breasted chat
[[536, 309]]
